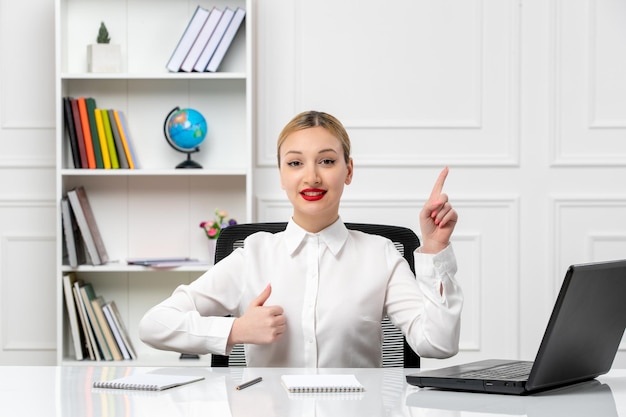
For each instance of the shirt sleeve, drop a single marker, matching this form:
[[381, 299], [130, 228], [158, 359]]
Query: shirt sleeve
[[431, 319], [191, 320]]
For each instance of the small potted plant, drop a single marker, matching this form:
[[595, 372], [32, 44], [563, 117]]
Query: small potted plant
[[103, 56]]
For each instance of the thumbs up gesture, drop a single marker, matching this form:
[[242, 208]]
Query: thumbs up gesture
[[260, 324]]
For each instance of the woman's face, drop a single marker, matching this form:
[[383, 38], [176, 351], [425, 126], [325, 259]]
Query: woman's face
[[313, 172]]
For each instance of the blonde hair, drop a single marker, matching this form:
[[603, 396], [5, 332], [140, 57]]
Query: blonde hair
[[312, 118]]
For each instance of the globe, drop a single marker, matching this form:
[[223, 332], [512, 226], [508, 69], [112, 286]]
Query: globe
[[185, 130]]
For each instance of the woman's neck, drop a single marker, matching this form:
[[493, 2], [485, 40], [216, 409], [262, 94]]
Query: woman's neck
[[314, 225]]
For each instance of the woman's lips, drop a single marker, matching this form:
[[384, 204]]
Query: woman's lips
[[312, 194]]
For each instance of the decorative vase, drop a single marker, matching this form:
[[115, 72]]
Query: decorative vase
[[212, 243], [104, 57]]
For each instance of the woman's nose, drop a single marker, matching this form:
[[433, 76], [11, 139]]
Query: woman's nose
[[312, 176]]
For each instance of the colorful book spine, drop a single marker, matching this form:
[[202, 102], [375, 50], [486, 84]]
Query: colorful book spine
[[84, 122], [106, 159], [95, 137], [119, 147], [124, 139], [129, 141], [79, 134], [110, 141], [71, 131]]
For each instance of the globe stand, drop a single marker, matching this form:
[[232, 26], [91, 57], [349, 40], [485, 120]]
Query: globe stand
[[188, 163]]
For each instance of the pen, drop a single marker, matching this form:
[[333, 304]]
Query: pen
[[247, 384]]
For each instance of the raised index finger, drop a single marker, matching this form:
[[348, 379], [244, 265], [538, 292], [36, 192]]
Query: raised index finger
[[438, 187]]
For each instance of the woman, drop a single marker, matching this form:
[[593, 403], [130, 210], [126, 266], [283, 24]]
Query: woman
[[315, 294]]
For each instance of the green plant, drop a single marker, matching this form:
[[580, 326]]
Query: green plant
[[103, 34]]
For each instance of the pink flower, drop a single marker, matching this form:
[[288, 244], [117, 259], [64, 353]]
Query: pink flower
[[213, 228]]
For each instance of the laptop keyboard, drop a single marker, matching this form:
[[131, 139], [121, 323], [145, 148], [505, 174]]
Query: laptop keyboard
[[514, 370]]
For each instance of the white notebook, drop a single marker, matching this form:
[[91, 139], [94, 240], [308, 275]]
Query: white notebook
[[148, 382], [322, 383]]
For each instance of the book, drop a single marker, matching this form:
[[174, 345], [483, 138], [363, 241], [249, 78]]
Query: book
[[71, 235], [87, 294], [214, 40], [115, 331], [90, 338], [88, 226], [106, 123], [80, 141], [119, 330], [158, 260], [84, 122], [72, 314], [148, 382], [227, 39], [90, 102], [97, 303], [128, 139], [189, 36], [201, 40], [321, 383], [71, 131], [106, 159], [119, 146], [124, 139]]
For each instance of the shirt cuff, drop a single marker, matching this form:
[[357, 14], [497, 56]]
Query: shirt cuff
[[438, 264], [434, 270], [221, 329]]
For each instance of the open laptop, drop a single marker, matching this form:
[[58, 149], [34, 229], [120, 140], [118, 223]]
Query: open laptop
[[580, 341]]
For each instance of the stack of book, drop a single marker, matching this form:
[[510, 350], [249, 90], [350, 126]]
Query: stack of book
[[83, 242], [206, 40], [99, 138], [98, 331]]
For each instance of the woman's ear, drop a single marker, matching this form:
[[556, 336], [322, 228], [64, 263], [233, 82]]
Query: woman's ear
[[350, 172]]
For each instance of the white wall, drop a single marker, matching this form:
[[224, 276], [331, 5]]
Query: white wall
[[524, 100]]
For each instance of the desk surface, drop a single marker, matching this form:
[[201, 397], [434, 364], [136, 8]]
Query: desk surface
[[66, 391]]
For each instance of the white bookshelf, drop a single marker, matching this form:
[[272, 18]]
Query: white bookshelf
[[156, 209]]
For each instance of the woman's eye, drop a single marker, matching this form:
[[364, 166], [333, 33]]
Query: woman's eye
[[293, 163], [327, 161]]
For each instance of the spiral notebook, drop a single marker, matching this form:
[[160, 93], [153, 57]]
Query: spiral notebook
[[148, 382], [321, 383]]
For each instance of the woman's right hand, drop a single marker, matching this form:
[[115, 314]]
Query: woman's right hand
[[260, 324]]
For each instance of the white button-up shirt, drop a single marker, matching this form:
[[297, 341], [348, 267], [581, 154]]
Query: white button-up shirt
[[335, 288]]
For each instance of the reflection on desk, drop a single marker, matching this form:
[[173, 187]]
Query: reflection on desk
[[68, 392], [591, 398]]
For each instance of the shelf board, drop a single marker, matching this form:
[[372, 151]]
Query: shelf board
[[123, 267], [154, 172], [122, 76]]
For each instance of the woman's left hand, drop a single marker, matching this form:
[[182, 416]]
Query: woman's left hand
[[437, 218]]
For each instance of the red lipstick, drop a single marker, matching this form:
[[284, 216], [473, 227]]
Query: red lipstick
[[312, 194]]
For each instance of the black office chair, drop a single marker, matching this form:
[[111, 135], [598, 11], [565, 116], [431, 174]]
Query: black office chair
[[396, 351]]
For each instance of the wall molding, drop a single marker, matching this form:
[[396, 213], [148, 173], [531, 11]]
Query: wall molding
[[8, 344], [497, 146]]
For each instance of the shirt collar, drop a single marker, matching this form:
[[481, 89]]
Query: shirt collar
[[334, 236]]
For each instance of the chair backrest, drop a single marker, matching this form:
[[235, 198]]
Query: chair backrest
[[396, 351]]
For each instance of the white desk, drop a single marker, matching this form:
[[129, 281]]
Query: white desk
[[66, 392]]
